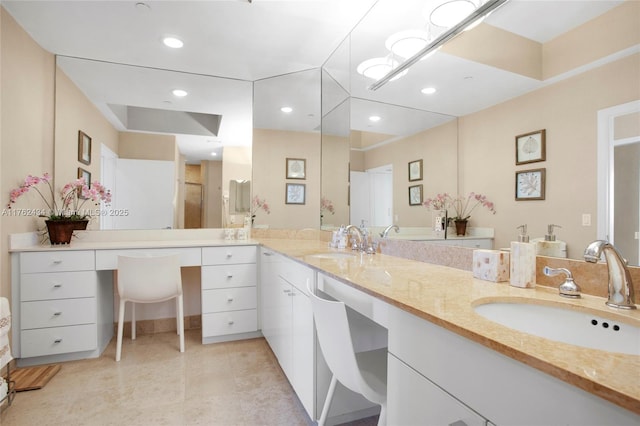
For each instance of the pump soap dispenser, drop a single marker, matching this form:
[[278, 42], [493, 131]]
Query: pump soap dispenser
[[522, 265]]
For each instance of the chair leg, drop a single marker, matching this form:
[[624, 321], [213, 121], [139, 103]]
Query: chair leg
[[327, 401], [181, 322], [382, 420], [120, 330], [177, 316], [133, 321]]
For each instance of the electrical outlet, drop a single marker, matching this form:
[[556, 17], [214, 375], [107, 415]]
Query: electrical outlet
[[586, 219]]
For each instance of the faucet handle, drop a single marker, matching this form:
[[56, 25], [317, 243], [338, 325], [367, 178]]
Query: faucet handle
[[568, 288]]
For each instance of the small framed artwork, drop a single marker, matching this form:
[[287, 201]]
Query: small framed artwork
[[415, 195], [82, 173], [84, 148], [530, 184], [415, 170], [531, 147], [296, 168], [295, 193]]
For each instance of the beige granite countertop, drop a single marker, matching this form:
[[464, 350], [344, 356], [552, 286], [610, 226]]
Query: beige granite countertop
[[446, 296]]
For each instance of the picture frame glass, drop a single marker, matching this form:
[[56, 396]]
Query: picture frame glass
[[415, 195], [84, 148], [531, 147], [530, 184], [296, 168], [295, 193], [415, 170]]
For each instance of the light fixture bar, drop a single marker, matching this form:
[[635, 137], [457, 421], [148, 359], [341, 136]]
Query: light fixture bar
[[480, 12]]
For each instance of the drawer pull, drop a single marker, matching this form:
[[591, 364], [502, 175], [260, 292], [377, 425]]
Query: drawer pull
[[57, 341], [57, 285], [267, 253], [230, 322], [229, 275], [57, 261], [57, 314], [286, 290], [229, 299], [229, 255]]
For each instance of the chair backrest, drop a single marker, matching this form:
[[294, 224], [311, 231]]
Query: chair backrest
[[5, 327], [148, 278], [334, 336]]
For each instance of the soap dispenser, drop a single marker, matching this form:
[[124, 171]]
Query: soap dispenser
[[522, 261], [550, 236]]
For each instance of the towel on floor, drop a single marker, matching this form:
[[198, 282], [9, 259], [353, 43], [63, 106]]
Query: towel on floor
[[5, 326]]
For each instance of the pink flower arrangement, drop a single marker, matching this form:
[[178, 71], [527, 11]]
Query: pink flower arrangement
[[259, 204], [463, 206], [326, 205], [73, 196]]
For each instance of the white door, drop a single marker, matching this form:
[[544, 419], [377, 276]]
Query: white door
[[381, 181], [359, 208], [108, 166], [145, 198]]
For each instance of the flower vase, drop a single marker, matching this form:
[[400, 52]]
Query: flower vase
[[61, 231], [461, 227]]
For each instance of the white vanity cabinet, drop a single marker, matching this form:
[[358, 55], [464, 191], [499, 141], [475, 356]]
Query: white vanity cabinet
[[287, 321], [229, 293], [434, 373], [57, 306]]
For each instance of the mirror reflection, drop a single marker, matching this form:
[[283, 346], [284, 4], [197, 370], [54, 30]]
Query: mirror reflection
[[463, 132]]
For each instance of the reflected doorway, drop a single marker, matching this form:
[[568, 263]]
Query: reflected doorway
[[372, 196], [193, 205]]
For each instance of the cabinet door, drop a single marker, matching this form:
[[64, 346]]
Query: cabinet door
[[269, 295], [417, 401], [302, 348]]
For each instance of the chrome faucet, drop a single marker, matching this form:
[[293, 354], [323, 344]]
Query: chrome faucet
[[384, 233], [359, 245], [620, 283]]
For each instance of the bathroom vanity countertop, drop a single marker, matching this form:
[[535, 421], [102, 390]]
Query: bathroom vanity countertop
[[446, 296]]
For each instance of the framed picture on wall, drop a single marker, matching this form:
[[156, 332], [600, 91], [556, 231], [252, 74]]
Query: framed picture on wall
[[295, 193], [530, 184], [82, 173], [296, 168], [531, 147], [415, 195], [84, 148], [415, 170]]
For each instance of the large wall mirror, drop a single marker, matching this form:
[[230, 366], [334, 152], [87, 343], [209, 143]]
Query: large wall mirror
[[330, 126]]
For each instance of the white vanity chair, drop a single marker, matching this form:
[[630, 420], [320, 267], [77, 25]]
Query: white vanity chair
[[148, 279], [362, 372], [7, 387]]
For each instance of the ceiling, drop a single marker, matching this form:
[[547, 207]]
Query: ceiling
[[230, 44]]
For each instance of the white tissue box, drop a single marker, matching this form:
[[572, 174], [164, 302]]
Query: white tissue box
[[491, 265]]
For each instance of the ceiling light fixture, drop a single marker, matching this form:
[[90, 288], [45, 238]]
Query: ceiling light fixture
[[376, 68], [286, 109], [407, 43], [374, 118], [173, 42], [451, 12], [179, 93], [429, 90], [488, 7]]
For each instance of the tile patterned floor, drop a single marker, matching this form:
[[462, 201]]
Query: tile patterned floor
[[235, 383]]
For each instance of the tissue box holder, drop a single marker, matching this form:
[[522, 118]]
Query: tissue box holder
[[491, 265]]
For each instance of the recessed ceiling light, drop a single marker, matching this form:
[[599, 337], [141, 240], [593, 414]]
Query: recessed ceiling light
[[451, 12], [173, 42], [376, 68], [179, 93], [286, 109], [407, 43], [213, 154], [374, 118], [429, 90]]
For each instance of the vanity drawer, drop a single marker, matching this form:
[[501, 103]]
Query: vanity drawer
[[58, 340], [57, 285], [224, 276], [218, 324], [57, 261], [229, 299], [57, 313], [228, 255]]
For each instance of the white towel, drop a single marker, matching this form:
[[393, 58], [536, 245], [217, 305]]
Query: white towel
[[5, 326]]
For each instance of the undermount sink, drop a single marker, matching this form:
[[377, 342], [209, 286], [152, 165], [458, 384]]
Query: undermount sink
[[565, 325], [333, 255]]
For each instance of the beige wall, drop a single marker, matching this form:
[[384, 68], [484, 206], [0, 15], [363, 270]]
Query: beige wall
[[335, 179], [212, 178], [147, 146], [74, 112], [270, 150], [237, 165], [26, 135]]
